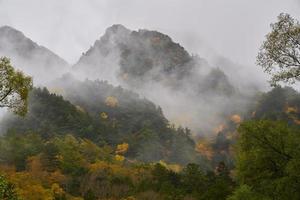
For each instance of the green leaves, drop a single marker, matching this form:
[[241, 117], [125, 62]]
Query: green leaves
[[280, 54], [7, 190], [268, 158], [244, 192], [14, 88]]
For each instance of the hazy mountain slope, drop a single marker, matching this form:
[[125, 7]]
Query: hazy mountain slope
[[101, 61], [106, 115], [30, 57], [190, 91], [135, 57]]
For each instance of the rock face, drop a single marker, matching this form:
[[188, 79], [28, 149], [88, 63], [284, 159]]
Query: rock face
[[135, 56], [28, 56], [101, 61]]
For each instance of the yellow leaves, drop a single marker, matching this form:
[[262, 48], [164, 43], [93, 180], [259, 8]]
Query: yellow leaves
[[29, 187], [122, 148], [103, 115], [109, 168], [34, 192], [236, 119], [57, 190], [119, 158], [290, 109], [36, 183], [99, 165], [111, 101]]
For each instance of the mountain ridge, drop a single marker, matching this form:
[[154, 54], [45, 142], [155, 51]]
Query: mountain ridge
[[32, 58]]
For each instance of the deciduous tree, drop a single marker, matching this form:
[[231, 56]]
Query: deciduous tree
[[14, 87], [279, 54]]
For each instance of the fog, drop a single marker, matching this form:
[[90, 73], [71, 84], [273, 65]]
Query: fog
[[227, 34], [232, 28]]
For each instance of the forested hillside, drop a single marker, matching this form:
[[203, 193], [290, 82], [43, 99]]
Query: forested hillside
[[139, 118], [63, 151]]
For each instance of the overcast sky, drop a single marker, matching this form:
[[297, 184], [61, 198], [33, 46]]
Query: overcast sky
[[233, 28]]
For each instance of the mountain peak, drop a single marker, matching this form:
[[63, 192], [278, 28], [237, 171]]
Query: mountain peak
[[8, 28], [136, 55], [28, 56], [11, 34], [115, 28]]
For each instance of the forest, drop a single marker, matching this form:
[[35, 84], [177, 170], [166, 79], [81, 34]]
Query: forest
[[90, 139]]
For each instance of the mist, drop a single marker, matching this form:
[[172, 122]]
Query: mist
[[225, 35], [232, 28]]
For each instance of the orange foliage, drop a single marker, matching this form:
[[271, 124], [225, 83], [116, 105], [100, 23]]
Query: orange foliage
[[297, 121], [219, 128], [236, 119], [203, 147]]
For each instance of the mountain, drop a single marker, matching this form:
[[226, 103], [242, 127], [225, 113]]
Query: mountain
[[153, 65], [147, 62], [33, 59], [137, 57]]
